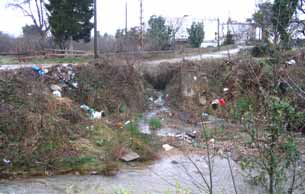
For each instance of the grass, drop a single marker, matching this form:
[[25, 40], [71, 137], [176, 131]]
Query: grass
[[40, 60], [7, 60], [155, 123]]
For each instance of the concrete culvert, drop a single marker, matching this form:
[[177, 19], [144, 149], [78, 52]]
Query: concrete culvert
[[159, 75]]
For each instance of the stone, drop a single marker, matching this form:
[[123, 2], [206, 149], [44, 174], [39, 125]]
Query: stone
[[202, 100], [130, 156]]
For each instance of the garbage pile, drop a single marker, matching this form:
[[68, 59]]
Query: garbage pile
[[93, 114]]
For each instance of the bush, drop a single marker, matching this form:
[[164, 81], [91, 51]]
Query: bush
[[261, 50]]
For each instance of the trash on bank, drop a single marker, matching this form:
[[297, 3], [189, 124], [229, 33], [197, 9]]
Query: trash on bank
[[57, 93], [222, 102], [93, 113], [56, 88], [130, 156], [215, 104], [291, 62], [7, 162], [38, 70], [167, 147], [160, 101]]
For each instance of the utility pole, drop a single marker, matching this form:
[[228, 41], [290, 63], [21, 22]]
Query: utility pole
[[218, 35], [95, 31], [141, 25], [126, 18]]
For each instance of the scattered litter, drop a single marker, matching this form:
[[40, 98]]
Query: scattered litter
[[195, 78], [184, 137], [215, 104], [159, 101], [38, 70], [205, 116], [222, 102], [75, 85], [212, 141], [127, 122], [130, 156], [57, 93], [291, 62], [55, 88], [167, 147], [226, 89], [93, 113], [191, 134], [66, 74], [151, 99], [7, 162]]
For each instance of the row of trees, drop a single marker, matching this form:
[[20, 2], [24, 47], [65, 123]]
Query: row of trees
[[161, 35], [70, 20]]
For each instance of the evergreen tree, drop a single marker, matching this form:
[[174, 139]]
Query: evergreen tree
[[159, 33], [196, 34], [283, 11], [70, 19]]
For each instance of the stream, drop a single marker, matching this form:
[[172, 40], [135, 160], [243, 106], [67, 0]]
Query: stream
[[173, 173]]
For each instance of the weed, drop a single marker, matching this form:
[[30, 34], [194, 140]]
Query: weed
[[155, 123], [133, 128]]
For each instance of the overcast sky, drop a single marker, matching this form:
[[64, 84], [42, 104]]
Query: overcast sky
[[111, 13]]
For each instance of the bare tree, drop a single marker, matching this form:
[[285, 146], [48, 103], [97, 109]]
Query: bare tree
[[34, 9], [175, 24]]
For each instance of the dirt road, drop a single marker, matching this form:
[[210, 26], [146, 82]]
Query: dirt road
[[215, 55]]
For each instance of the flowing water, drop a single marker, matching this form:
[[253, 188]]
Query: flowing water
[[170, 174]]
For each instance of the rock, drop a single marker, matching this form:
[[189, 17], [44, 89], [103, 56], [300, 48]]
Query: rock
[[55, 88], [130, 156], [202, 100], [167, 147]]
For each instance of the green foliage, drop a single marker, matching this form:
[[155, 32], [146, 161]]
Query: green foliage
[[70, 19], [133, 128], [155, 123], [196, 34], [278, 153], [283, 11], [159, 33]]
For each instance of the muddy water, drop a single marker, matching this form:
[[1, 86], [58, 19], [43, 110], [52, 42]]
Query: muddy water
[[160, 177], [163, 176]]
